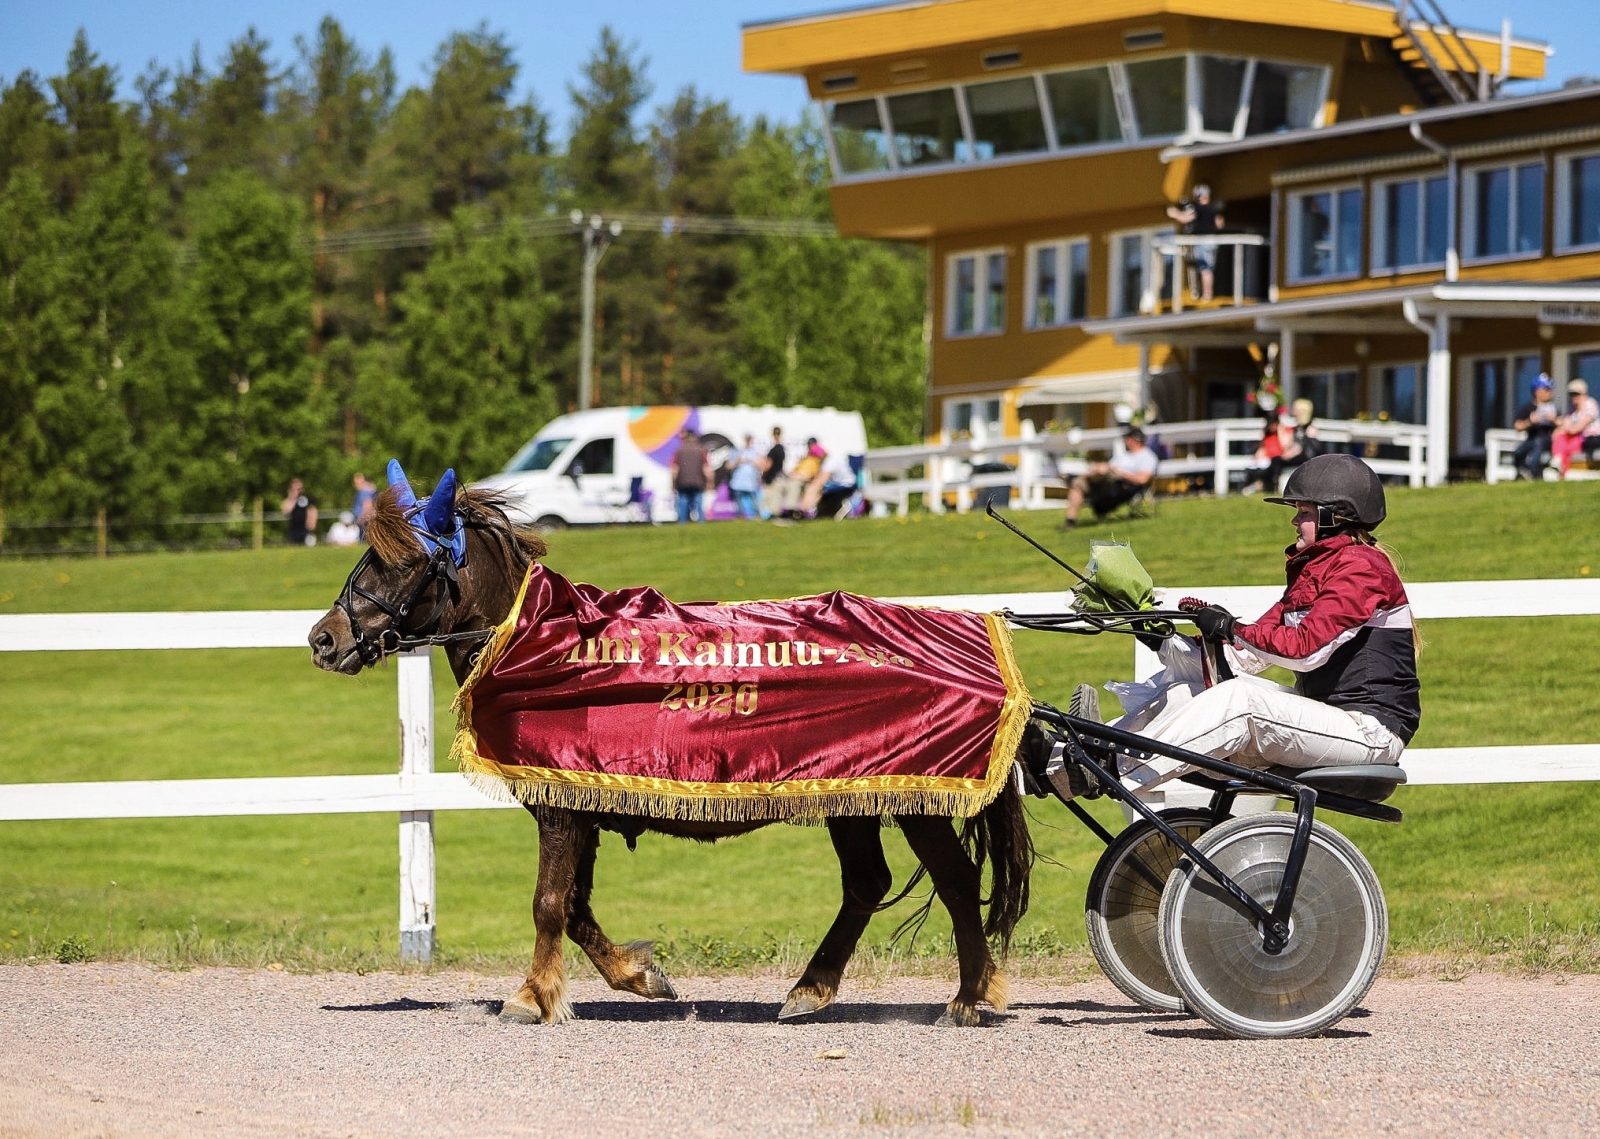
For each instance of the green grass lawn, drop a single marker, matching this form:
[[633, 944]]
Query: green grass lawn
[[1504, 872]]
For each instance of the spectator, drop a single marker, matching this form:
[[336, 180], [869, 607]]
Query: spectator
[[835, 483], [691, 474], [745, 481], [301, 512], [344, 532], [1579, 429], [1107, 486], [794, 489], [1537, 420], [1201, 217], [365, 502], [773, 475], [1296, 435]]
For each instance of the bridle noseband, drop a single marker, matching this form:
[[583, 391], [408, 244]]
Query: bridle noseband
[[439, 575]]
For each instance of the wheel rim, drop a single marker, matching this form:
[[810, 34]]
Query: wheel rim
[[1124, 905], [1213, 944]]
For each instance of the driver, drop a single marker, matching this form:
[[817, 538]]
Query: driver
[[1343, 625]]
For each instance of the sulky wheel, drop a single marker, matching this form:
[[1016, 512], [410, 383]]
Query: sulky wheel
[[1338, 930], [1123, 903]]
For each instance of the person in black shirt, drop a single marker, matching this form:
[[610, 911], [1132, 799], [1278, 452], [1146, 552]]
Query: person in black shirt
[[772, 475], [1200, 216], [1537, 419], [301, 512]]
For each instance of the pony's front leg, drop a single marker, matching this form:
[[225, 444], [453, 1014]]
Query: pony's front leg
[[629, 968], [543, 995], [865, 879], [957, 882]]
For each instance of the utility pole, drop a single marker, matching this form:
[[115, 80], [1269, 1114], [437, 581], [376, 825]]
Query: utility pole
[[597, 235]]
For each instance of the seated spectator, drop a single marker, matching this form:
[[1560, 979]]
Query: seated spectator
[[1537, 420], [793, 491], [1296, 439], [836, 475], [344, 532], [1107, 486], [1579, 429]]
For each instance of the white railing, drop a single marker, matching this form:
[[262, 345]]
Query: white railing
[[416, 790], [1221, 448], [1180, 247], [1499, 443]]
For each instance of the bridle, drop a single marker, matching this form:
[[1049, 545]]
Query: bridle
[[440, 577]]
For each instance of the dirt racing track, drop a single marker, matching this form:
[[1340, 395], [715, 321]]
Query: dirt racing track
[[122, 1050]]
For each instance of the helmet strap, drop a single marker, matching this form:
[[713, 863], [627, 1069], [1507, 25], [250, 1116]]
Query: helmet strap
[[1329, 523]]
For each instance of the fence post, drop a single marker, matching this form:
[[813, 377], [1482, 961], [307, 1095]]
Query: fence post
[[100, 544], [416, 827], [258, 524]]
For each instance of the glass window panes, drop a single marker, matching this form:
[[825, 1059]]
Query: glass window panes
[[1131, 257], [974, 418], [1584, 366], [1411, 223], [1496, 383], [1283, 96], [926, 128], [1325, 234], [1505, 209], [1006, 118], [977, 283], [1158, 88], [858, 139], [1347, 251], [1582, 202], [1083, 106], [1400, 393], [1221, 85], [1332, 394], [1058, 283]]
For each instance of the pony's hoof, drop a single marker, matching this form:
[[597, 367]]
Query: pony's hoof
[[516, 1010], [960, 1016], [657, 986], [802, 1003]]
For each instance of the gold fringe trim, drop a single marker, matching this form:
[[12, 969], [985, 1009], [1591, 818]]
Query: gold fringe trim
[[797, 800]]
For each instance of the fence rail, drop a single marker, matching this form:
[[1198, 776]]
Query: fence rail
[[416, 790]]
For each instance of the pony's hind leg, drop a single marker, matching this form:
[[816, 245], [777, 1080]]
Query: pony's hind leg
[[630, 968], [865, 878], [543, 994], [957, 882]]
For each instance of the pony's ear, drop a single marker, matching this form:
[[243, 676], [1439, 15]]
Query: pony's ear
[[404, 496], [439, 514]]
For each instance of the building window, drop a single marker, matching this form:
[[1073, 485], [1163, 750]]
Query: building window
[[925, 127], [1503, 208], [1131, 255], [1006, 118], [1084, 107], [1325, 234], [1058, 283], [1578, 201], [1499, 384], [972, 418], [1284, 96], [1222, 82], [1158, 90], [977, 283], [860, 144], [1410, 223], [1400, 393], [1333, 395]]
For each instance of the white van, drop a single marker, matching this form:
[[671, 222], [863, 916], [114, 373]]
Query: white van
[[580, 468]]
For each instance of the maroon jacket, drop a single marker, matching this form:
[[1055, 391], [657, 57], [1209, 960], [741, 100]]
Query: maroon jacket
[[1343, 626]]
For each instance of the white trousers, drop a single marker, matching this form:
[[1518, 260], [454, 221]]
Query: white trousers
[[1255, 723]]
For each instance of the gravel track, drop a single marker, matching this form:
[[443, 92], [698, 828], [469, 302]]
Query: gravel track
[[124, 1050]]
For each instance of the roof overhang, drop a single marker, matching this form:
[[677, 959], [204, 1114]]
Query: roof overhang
[[1310, 314], [795, 44]]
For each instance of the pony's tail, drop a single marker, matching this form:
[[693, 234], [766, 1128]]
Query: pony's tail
[[998, 835]]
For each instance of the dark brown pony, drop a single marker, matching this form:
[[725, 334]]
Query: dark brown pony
[[408, 589]]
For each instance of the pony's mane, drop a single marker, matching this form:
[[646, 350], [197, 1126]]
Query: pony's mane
[[395, 542]]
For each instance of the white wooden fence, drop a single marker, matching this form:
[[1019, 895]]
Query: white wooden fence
[[1221, 448], [416, 790]]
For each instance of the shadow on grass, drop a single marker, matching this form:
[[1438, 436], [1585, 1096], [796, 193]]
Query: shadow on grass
[[711, 1012]]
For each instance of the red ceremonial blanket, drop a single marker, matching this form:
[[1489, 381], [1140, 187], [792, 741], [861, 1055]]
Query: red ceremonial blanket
[[625, 701]]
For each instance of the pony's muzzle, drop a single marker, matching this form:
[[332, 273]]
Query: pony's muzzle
[[333, 647]]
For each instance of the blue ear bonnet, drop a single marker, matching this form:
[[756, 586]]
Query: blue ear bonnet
[[434, 519]]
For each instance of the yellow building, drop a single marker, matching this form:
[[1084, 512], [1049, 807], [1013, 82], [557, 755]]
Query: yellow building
[[1400, 239]]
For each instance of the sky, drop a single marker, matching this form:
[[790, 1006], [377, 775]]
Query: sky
[[695, 42]]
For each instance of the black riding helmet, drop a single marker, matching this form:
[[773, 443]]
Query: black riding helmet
[[1346, 491]]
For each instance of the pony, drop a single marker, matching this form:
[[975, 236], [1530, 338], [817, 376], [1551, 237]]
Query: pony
[[445, 571]]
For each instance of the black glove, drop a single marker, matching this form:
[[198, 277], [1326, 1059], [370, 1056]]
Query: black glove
[[1214, 622]]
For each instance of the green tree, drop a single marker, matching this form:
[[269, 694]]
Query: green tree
[[463, 379], [26, 130], [92, 121], [823, 321], [246, 298]]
